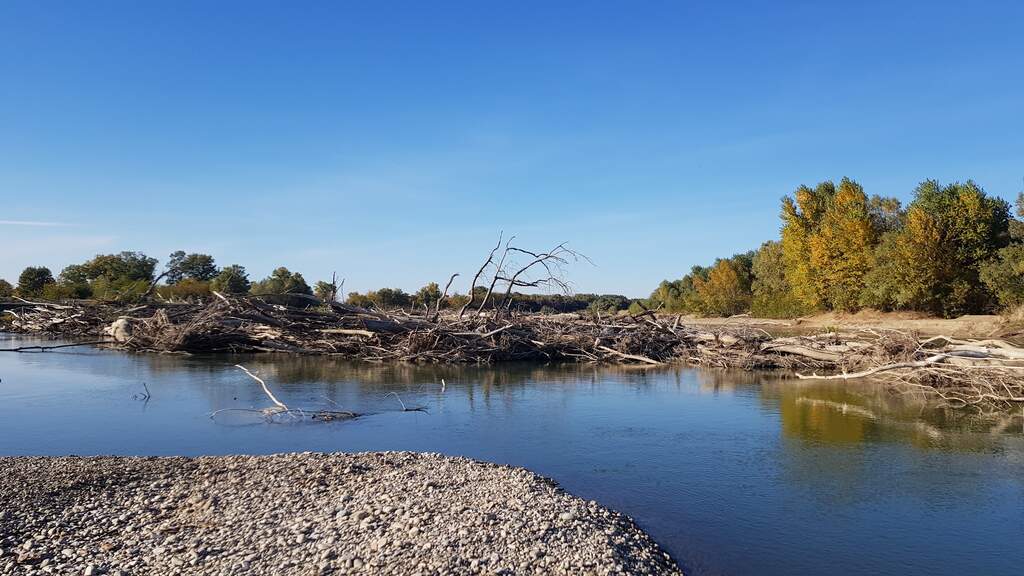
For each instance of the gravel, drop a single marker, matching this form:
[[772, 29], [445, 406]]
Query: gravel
[[310, 514]]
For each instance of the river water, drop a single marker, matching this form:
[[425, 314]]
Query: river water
[[734, 473]]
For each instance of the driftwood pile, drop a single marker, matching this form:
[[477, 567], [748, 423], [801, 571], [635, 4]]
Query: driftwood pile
[[984, 374]]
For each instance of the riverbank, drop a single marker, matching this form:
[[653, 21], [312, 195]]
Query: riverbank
[[302, 514], [979, 374], [971, 326]]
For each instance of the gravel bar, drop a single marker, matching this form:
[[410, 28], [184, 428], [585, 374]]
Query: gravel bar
[[310, 514]]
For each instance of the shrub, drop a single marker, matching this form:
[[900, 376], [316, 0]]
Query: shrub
[[187, 289]]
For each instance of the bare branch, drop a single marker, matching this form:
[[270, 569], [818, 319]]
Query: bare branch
[[472, 285]]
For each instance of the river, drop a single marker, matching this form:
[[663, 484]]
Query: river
[[734, 473]]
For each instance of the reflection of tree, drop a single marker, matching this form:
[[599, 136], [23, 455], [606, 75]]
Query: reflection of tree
[[840, 413], [717, 380], [833, 416], [836, 437]]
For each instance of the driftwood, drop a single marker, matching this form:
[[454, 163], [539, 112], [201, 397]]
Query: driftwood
[[983, 373], [280, 411]]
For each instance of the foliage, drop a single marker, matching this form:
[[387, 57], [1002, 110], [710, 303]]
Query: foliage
[[282, 281], [391, 298], [74, 282], [33, 279], [231, 280], [882, 282], [1004, 276], [723, 288], [455, 301], [726, 291], [801, 217], [123, 267], [950, 232], [771, 294], [326, 291], [58, 291], [183, 266], [109, 276], [6, 290], [886, 214], [609, 304], [679, 295], [361, 300], [841, 248], [186, 289], [427, 295]]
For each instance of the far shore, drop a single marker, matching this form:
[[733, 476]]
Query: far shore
[[970, 326]]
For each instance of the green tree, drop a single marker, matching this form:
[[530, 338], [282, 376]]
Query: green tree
[[33, 279], [111, 276], [679, 295], [1003, 275], [609, 304], [74, 274], [6, 290], [427, 295], [200, 267], [282, 281], [950, 232], [74, 282], [882, 284], [231, 280], [390, 298], [772, 296], [326, 291], [360, 300], [121, 268]]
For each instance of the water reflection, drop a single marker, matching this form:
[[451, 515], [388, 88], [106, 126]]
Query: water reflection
[[817, 412], [856, 413]]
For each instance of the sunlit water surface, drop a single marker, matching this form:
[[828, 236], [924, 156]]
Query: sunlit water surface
[[733, 473]]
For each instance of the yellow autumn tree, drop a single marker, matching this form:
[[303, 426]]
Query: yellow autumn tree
[[726, 290], [841, 249], [801, 216]]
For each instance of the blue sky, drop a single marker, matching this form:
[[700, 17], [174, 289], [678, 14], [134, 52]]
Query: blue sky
[[391, 141]]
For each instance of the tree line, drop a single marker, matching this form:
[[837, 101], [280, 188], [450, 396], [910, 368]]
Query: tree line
[[129, 276], [952, 250]]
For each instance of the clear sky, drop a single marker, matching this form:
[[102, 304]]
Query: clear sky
[[391, 141]]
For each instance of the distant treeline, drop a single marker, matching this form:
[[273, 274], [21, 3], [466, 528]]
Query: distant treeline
[[128, 276], [953, 250]]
